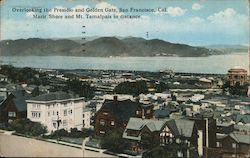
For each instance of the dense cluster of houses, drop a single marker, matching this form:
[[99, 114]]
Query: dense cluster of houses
[[205, 121]]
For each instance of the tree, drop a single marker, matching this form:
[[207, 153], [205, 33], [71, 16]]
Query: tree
[[132, 88], [83, 89], [238, 89], [170, 151], [113, 141], [161, 87], [161, 152], [27, 127], [35, 92]]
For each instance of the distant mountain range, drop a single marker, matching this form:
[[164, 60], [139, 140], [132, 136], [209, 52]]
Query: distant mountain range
[[101, 47], [228, 48]]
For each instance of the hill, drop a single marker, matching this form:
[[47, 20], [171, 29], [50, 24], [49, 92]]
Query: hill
[[100, 47], [229, 48]]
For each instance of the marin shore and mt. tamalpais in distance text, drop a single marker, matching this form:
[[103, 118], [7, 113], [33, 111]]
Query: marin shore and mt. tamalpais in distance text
[[109, 46]]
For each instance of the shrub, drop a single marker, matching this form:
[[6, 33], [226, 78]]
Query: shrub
[[27, 127]]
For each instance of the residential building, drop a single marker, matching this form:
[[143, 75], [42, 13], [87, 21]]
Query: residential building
[[225, 128], [233, 145], [141, 134], [87, 118], [14, 107], [164, 111], [205, 82], [3, 78], [58, 110], [116, 113], [243, 119]]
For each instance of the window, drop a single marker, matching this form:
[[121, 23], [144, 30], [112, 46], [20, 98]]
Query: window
[[57, 113], [10, 120], [137, 112], [64, 122], [102, 122], [48, 113], [148, 111], [36, 114], [178, 140], [218, 144], [102, 132], [112, 123], [65, 112], [233, 145], [105, 113], [179, 154], [12, 114], [83, 115], [70, 111], [171, 140]]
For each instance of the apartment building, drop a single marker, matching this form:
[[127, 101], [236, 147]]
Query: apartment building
[[57, 110]]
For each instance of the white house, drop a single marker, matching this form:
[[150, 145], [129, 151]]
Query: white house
[[3, 78], [55, 109], [87, 118]]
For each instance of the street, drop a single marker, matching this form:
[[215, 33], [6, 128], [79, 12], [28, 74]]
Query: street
[[16, 146]]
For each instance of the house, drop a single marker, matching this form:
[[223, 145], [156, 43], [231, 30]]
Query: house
[[5, 90], [3, 78], [58, 110], [14, 107], [242, 119], [243, 129], [116, 113], [161, 113], [225, 128], [87, 118], [164, 112], [233, 145], [205, 82], [141, 134]]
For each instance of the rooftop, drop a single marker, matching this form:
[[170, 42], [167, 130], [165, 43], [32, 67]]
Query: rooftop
[[178, 127], [55, 96], [122, 110], [19, 98]]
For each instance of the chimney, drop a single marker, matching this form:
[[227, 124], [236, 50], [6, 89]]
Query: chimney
[[115, 97]]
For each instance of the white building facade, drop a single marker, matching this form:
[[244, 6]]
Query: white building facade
[[57, 111], [87, 113]]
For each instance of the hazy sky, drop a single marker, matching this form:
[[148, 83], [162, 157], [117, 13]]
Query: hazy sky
[[194, 22]]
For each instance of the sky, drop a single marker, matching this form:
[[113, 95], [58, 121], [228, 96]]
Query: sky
[[193, 22]]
